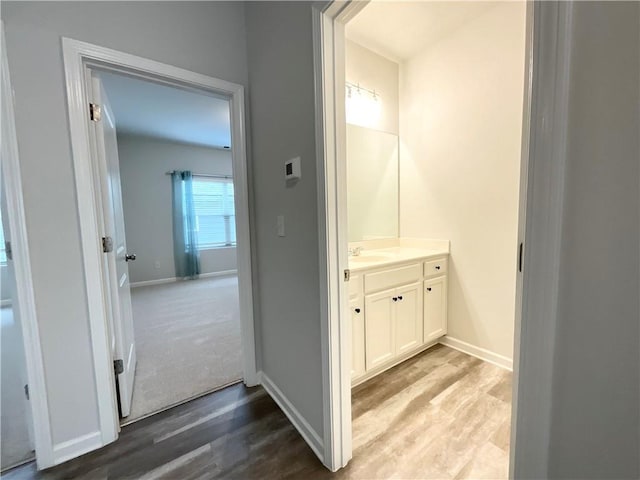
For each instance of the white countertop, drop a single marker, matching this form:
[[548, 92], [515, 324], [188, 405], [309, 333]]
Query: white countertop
[[389, 256]]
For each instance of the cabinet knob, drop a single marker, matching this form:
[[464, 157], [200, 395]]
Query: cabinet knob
[[395, 299], [357, 310], [428, 289], [400, 297], [437, 267]]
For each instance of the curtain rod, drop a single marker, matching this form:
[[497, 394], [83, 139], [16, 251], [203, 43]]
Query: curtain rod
[[203, 175]]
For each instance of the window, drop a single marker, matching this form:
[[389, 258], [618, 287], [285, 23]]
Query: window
[[215, 212]]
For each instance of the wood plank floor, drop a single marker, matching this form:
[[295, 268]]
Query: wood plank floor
[[440, 415]]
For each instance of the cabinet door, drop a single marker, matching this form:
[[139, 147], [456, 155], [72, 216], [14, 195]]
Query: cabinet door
[[408, 317], [357, 338], [435, 308], [379, 331]]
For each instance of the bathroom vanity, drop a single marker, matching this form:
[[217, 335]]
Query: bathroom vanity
[[398, 306]]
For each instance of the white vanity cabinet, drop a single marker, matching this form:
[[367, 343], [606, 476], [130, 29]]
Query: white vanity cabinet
[[396, 311], [435, 299], [356, 314]]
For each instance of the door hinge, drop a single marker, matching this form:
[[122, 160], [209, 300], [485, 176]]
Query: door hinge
[[26, 391], [118, 366], [107, 244], [347, 275], [520, 256], [95, 112], [8, 250]]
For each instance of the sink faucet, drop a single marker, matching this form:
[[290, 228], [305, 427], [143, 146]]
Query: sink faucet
[[355, 251]]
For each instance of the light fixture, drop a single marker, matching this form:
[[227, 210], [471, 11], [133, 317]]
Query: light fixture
[[363, 106]]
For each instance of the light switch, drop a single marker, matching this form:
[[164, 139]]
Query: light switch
[[280, 222]]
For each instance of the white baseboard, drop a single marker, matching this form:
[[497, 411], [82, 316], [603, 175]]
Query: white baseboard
[[308, 433], [161, 281], [78, 446], [481, 353]]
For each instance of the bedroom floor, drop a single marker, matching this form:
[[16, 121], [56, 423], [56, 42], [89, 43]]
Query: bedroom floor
[[188, 342]]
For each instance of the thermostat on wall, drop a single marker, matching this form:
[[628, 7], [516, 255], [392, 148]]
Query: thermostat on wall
[[292, 169]]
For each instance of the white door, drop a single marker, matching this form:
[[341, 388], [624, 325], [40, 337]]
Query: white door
[[123, 346], [435, 308], [379, 331], [408, 317], [357, 337]]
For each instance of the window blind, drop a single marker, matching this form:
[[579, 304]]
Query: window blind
[[215, 211]]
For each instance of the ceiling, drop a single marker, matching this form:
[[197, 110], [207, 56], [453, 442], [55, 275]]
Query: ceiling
[[399, 30], [145, 108]]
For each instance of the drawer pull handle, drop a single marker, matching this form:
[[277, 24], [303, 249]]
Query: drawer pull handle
[[437, 267], [395, 299], [428, 289], [400, 297], [357, 310]]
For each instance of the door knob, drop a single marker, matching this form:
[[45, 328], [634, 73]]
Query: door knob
[[130, 257]]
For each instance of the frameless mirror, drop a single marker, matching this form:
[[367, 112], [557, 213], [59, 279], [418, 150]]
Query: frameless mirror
[[372, 184]]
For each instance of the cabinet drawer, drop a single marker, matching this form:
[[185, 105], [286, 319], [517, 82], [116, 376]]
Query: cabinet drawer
[[435, 267], [391, 278], [355, 286]]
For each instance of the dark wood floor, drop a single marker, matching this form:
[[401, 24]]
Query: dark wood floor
[[441, 414]]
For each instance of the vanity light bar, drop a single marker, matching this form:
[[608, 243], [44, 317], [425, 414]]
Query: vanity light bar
[[351, 86]]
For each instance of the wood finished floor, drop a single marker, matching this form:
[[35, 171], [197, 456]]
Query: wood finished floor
[[440, 415]]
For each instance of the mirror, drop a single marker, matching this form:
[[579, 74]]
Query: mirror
[[372, 184]]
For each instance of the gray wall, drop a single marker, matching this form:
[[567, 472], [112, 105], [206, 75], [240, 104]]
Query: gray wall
[[279, 41], [146, 196], [204, 37], [595, 413]]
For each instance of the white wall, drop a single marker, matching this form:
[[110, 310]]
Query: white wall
[[204, 37], [280, 50], [460, 132], [147, 200], [596, 391], [375, 72]]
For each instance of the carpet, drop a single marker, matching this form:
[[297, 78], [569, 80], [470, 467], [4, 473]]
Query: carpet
[[188, 342]]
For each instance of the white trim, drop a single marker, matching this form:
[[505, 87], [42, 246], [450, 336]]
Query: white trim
[[548, 65], [77, 446], [160, 281], [79, 58], [24, 295], [478, 352], [307, 432]]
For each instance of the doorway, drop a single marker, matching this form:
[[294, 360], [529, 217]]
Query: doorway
[[170, 206], [330, 28], [186, 326]]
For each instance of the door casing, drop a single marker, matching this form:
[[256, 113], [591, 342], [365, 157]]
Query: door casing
[[79, 59]]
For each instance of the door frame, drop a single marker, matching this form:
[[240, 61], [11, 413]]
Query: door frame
[[24, 295], [547, 54], [79, 58]]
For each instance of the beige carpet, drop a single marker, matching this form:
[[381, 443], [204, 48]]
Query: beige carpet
[[187, 341]]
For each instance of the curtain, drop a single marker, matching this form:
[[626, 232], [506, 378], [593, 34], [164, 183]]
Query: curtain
[[185, 237]]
